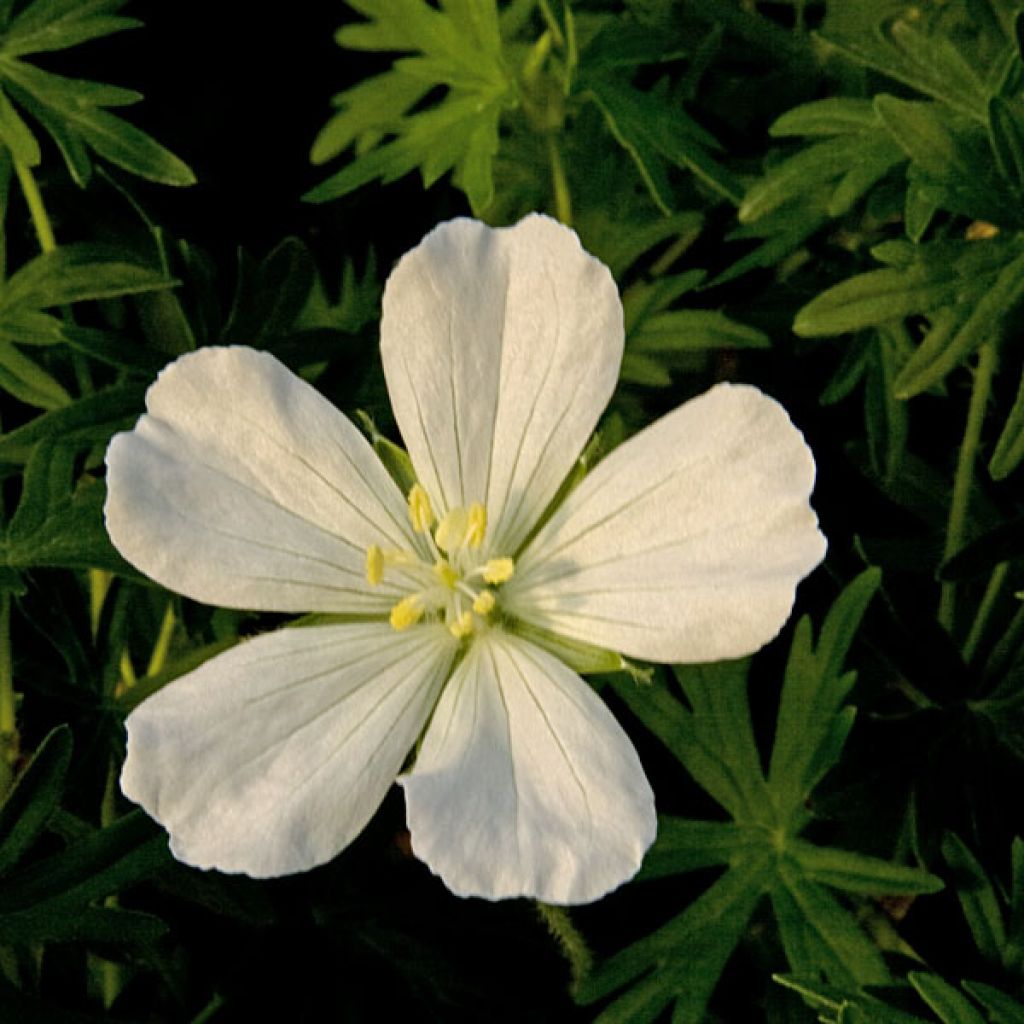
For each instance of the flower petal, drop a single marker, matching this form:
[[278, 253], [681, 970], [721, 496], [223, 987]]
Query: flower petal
[[501, 348], [271, 757], [687, 542], [525, 784], [245, 487]]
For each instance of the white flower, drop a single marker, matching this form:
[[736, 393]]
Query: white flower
[[243, 487]]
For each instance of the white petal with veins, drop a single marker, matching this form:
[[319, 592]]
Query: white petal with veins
[[501, 350], [687, 542], [244, 487], [525, 785], [272, 757]]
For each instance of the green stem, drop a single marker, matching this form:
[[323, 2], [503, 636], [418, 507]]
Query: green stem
[[964, 478], [158, 658], [559, 184], [36, 209], [111, 980], [48, 243], [552, 23], [8, 720], [570, 942], [995, 584], [208, 1011]]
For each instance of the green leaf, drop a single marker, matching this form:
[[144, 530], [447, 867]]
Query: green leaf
[[48, 25], [718, 696], [693, 330], [848, 1005], [56, 524], [977, 898], [654, 132], [875, 298], [270, 297], [1002, 1009], [685, 845], [808, 733], [953, 155], [1006, 136], [129, 148], [36, 796], [458, 47], [76, 273], [910, 51], [106, 861], [885, 416], [73, 111], [818, 934], [17, 135], [951, 1006], [85, 422], [856, 872], [870, 155], [1009, 449], [709, 929], [28, 381], [984, 323], [837, 115]]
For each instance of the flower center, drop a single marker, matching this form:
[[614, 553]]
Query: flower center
[[457, 588]]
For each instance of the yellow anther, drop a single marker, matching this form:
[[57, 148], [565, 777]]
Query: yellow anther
[[421, 513], [477, 525], [407, 612], [374, 565], [446, 574], [462, 626], [484, 602], [451, 531], [499, 570]]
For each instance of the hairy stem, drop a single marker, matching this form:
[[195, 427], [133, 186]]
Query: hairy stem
[[570, 942]]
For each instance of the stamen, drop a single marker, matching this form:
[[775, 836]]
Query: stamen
[[407, 612], [462, 626], [421, 513], [446, 574], [451, 531], [498, 570], [484, 602], [477, 526], [374, 565]]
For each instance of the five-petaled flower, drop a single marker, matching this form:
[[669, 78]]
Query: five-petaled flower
[[243, 487]]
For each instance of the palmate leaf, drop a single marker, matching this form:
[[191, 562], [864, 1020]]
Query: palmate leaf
[[73, 112], [913, 43], [458, 47], [853, 1005], [57, 523], [967, 290], [657, 134], [759, 849], [851, 153], [951, 157], [73, 273]]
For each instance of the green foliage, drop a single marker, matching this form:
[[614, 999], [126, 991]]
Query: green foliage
[[760, 847], [949, 1005], [458, 47], [73, 112]]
